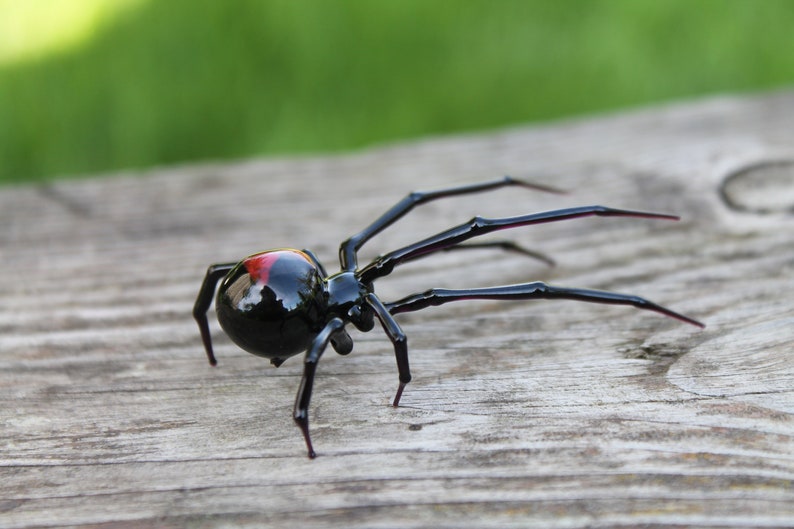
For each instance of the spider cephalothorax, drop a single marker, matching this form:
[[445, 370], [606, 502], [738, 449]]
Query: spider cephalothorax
[[281, 302]]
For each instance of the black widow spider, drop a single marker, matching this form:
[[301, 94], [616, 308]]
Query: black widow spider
[[280, 302]]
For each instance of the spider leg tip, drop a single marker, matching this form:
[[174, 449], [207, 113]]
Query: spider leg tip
[[396, 402], [687, 319], [664, 216], [537, 187]]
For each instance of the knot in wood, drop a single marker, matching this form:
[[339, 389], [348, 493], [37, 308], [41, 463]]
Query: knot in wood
[[765, 187]]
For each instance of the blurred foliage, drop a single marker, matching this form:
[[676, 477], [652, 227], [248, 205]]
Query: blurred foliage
[[177, 80]]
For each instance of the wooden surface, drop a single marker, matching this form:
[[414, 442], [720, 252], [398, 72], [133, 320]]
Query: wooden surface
[[547, 414]]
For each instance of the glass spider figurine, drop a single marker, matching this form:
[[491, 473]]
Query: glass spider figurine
[[281, 302]]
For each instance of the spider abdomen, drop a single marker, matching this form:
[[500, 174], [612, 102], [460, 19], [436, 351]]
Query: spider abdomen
[[272, 304]]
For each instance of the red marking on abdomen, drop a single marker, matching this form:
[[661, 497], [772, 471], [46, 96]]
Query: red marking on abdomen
[[260, 265]]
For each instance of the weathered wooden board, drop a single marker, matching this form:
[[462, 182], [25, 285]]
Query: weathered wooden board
[[548, 414]]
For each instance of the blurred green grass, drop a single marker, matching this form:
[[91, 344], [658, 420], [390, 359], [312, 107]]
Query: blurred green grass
[[180, 80]]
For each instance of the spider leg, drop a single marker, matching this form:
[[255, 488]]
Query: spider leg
[[384, 264], [523, 291], [316, 262], [508, 246], [397, 337], [342, 342], [301, 413], [349, 248], [215, 273]]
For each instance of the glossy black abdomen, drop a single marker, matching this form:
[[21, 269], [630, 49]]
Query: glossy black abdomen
[[272, 304]]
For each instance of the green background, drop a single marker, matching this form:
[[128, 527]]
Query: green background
[[171, 81]]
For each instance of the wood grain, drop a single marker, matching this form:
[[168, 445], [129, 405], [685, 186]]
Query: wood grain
[[547, 414]]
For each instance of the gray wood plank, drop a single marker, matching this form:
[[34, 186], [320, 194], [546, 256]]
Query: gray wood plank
[[549, 414]]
